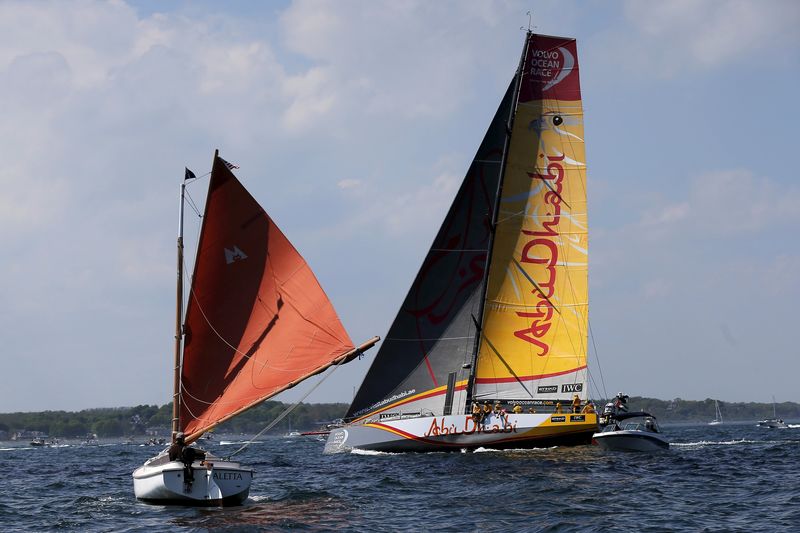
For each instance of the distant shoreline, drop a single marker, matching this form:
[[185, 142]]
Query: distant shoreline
[[154, 421]]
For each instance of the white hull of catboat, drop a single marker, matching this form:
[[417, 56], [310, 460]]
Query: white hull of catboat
[[216, 482]]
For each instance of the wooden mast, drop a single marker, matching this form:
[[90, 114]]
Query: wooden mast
[[176, 383]]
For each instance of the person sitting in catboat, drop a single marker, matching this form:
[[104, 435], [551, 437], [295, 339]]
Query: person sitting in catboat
[[179, 451]]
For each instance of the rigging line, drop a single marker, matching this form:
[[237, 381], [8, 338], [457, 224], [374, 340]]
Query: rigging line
[[530, 279], [593, 383], [575, 299], [596, 356], [288, 410], [547, 184], [508, 367], [192, 204]]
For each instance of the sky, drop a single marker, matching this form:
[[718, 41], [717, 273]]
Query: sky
[[353, 123]]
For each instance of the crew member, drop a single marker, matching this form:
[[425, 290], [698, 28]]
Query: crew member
[[176, 450], [588, 408], [576, 404], [517, 409], [476, 412], [558, 407], [179, 451], [487, 410]]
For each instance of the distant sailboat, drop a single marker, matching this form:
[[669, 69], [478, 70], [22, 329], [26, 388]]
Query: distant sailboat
[[256, 324], [718, 417], [774, 422], [496, 319]]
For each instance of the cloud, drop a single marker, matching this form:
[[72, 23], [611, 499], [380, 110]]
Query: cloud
[[728, 203], [348, 183], [379, 56], [668, 38]]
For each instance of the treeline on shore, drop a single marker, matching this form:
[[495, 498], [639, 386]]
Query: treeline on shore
[[679, 410], [155, 421]]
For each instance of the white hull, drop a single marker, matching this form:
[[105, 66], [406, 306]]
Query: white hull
[[457, 432], [216, 482], [715, 422], [773, 423], [631, 440]]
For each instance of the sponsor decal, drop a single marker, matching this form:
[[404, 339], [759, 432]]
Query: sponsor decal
[[548, 68], [577, 418], [339, 437], [572, 387], [231, 256], [535, 402], [383, 402], [548, 389], [439, 426], [558, 419], [541, 248]]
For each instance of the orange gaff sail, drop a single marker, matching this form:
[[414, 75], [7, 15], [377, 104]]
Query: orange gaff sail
[[257, 320], [534, 333]]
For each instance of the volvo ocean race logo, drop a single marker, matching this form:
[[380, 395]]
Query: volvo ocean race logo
[[551, 66]]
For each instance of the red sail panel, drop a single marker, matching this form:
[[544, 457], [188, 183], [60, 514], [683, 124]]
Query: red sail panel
[[551, 70], [257, 319]]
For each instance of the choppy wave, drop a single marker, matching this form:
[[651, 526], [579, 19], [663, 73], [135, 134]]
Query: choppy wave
[[717, 443], [88, 488], [513, 450], [356, 451]]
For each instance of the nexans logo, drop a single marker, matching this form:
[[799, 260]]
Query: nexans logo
[[572, 387]]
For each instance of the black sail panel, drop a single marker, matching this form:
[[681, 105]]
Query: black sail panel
[[433, 334]]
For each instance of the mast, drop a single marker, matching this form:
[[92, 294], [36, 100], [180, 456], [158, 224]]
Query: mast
[[493, 226], [176, 385]]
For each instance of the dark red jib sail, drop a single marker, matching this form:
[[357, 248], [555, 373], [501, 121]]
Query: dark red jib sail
[[257, 320]]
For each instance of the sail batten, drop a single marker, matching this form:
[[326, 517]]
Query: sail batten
[[257, 321]]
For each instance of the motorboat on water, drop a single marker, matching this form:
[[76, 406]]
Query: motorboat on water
[[774, 422], [636, 431]]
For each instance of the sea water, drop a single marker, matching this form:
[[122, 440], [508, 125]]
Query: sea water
[[733, 477]]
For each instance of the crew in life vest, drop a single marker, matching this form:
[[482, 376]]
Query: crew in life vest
[[576, 404]]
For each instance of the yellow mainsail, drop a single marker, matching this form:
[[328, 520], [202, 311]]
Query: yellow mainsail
[[533, 341]]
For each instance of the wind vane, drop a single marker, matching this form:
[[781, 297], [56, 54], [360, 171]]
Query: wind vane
[[530, 22]]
